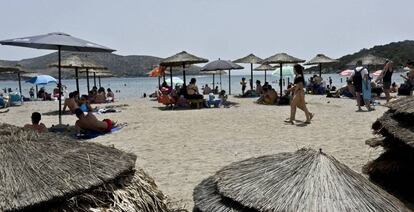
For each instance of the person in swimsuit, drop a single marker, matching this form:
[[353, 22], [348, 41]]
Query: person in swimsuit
[[298, 99], [386, 76], [36, 125], [192, 90], [71, 102], [243, 84], [89, 122]]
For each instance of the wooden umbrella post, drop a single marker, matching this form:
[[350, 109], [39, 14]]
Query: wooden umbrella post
[[94, 79], [320, 70], [99, 80], [280, 80], [184, 74], [171, 78], [87, 80], [213, 81], [229, 83], [251, 76], [20, 83], [77, 78]]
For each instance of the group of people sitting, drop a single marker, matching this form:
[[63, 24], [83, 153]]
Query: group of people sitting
[[185, 95], [99, 96], [317, 85]]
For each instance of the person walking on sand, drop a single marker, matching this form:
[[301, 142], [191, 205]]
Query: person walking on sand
[[243, 84], [385, 77], [298, 99], [356, 78]]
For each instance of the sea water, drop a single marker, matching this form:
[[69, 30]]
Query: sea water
[[137, 86]]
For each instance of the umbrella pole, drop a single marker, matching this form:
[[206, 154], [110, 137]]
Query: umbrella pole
[[94, 79], [213, 81], [77, 78], [163, 77], [229, 84], [184, 74], [37, 91], [265, 77], [320, 70], [220, 83], [280, 80], [60, 85], [99, 80], [171, 78], [251, 76], [20, 83], [87, 80]]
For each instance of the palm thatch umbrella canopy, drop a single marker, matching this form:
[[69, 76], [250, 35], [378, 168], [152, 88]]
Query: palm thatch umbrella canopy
[[282, 58], [252, 59], [51, 172], [306, 180], [14, 70], [207, 199], [265, 68], [320, 59], [369, 59], [393, 169], [57, 41], [220, 65], [78, 62], [181, 59]]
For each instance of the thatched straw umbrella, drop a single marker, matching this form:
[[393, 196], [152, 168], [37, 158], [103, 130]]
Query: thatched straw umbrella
[[78, 62], [14, 70], [252, 59], [320, 59], [207, 199], [306, 180], [282, 58], [394, 168], [181, 59], [220, 65], [102, 74], [40, 172], [265, 68]]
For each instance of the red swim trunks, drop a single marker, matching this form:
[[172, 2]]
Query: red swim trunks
[[110, 125]]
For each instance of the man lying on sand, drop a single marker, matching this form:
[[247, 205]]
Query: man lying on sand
[[36, 125], [90, 123]]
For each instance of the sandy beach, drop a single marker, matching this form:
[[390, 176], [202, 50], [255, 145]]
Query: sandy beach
[[179, 148]]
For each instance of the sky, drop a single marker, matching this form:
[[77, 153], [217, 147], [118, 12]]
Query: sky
[[226, 29]]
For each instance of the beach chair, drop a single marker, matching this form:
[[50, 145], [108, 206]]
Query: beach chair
[[15, 99], [165, 99]]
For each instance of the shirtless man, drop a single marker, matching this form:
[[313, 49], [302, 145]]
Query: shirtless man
[[90, 122], [36, 125], [71, 103]]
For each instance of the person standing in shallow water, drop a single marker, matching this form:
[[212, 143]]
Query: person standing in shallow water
[[298, 99]]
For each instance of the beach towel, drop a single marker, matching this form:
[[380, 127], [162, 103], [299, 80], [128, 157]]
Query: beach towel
[[366, 90]]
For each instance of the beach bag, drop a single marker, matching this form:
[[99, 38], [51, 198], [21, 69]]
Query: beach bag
[[357, 78]]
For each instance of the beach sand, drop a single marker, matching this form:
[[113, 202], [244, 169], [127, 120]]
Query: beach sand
[[180, 148]]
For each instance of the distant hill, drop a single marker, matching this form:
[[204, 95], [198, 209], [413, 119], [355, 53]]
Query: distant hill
[[399, 52], [121, 66]]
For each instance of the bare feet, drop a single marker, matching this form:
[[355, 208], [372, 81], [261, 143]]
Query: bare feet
[[289, 122]]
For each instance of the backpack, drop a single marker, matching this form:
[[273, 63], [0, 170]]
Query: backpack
[[357, 78]]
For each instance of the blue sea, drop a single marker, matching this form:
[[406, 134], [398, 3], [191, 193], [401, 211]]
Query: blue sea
[[136, 87]]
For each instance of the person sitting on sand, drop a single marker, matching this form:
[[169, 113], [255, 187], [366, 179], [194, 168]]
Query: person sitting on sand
[[207, 90], [192, 90], [110, 97], [100, 96], [270, 97], [71, 103], [36, 125], [222, 97], [90, 123]]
